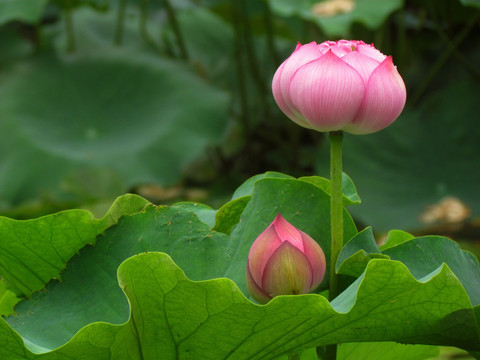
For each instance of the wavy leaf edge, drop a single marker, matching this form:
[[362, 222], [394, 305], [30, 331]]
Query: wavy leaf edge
[[278, 302]]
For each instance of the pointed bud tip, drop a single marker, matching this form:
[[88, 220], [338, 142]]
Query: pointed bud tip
[[284, 260]]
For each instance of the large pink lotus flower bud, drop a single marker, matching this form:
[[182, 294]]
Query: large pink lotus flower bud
[[339, 85], [283, 261]]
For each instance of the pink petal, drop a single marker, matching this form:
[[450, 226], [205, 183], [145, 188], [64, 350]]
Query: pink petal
[[343, 47], [371, 52], [340, 47], [262, 248], [362, 63], [316, 256], [326, 45], [341, 51], [384, 100], [288, 232], [278, 95], [302, 55], [288, 272], [327, 92], [281, 80], [257, 293]]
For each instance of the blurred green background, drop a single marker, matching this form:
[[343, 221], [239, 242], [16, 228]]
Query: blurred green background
[[172, 99]]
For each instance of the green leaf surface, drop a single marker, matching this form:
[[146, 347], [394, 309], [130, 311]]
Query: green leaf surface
[[29, 11], [386, 351], [396, 237], [356, 254], [8, 299], [87, 284], [32, 252], [371, 13], [125, 112], [175, 318], [424, 254], [229, 214], [350, 195], [178, 318], [476, 309], [204, 212], [247, 187]]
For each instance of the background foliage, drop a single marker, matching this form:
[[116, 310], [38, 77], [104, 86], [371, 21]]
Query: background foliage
[[173, 100]]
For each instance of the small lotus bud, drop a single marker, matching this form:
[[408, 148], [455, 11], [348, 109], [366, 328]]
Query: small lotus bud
[[283, 261]]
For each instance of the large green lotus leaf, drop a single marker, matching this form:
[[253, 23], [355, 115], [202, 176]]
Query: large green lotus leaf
[[350, 195], [396, 237], [229, 214], [176, 318], [32, 252], [428, 153], [87, 283], [8, 299], [204, 212], [140, 116], [356, 254], [386, 351], [371, 13], [247, 187], [301, 203], [422, 255], [29, 11]]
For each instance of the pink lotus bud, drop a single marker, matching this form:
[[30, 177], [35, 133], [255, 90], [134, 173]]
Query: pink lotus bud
[[339, 85], [283, 261]]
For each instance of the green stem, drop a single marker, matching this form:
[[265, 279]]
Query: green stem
[[240, 72], [120, 20], [143, 25], [69, 28], [329, 352], [143, 20], [252, 60], [270, 33], [176, 29], [293, 356], [336, 207], [336, 219]]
